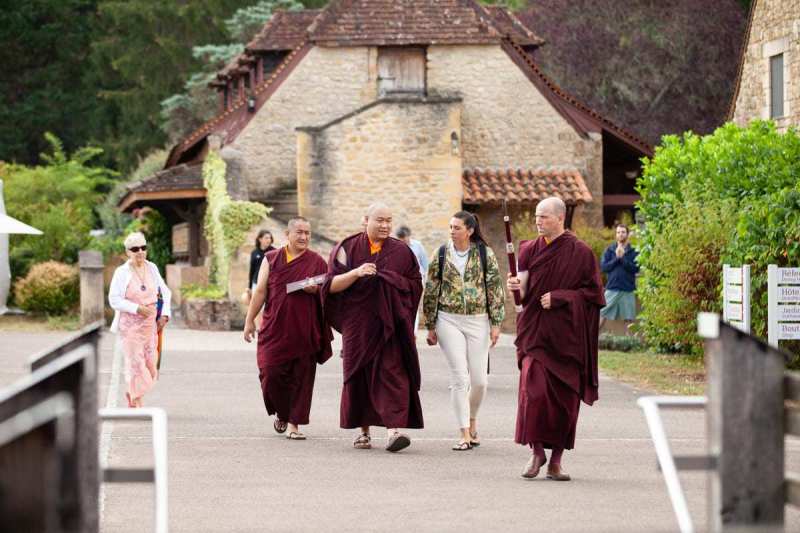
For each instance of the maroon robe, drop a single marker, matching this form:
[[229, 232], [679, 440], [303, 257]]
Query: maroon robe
[[557, 347], [375, 316], [293, 337]]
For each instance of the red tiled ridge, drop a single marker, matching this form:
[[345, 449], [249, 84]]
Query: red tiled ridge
[[514, 49], [510, 26], [286, 30], [179, 177], [487, 185], [403, 22], [238, 107]]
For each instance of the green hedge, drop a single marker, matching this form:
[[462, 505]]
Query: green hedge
[[729, 197], [50, 288]]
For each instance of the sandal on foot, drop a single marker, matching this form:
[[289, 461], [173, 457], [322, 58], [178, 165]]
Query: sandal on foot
[[473, 438], [279, 425], [462, 446], [295, 435], [363, 442], [397, 442]]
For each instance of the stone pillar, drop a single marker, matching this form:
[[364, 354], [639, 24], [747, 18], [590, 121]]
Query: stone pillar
[[92, 290]]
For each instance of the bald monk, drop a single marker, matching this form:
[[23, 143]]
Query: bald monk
[[293, 337], [556, 337], [371, 297]]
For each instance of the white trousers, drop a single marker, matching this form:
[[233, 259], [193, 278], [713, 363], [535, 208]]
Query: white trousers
[[465, 342]]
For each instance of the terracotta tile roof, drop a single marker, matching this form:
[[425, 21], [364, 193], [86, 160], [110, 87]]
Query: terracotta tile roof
[[232, 121], [286, 30], [403, 22], [180, 177], [482, 186], [582, 117], [512, 27]]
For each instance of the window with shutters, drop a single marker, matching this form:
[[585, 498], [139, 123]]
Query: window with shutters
[[401, 70], [776, 86]]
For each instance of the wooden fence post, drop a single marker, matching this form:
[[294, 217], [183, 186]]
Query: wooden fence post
[[745, 431]]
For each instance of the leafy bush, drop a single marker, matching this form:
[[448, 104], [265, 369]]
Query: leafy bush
[[58, 198], [730, 197], [202, 292], [51, 288], [620, 343]]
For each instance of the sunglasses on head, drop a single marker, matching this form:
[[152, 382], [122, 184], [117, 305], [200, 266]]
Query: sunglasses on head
[[141, 248]]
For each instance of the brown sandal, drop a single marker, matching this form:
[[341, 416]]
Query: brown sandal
[[397, 442], [279, 425], [473, 438], [363, 442], [295, 435]]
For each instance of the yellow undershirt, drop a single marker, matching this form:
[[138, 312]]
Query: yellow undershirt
[[288, 257], [546, 241], [374, 248]]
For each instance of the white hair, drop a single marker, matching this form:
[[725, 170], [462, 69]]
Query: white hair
[[377, 206], [135, 239]]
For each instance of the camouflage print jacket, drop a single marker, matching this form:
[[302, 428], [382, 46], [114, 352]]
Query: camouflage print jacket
[[464, 296]]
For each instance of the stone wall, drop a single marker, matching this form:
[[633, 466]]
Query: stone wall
[[775, 29], [399, 152], [508, 122], [326, 84]]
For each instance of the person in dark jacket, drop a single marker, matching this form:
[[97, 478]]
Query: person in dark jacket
[[619, 264], [263, 245]]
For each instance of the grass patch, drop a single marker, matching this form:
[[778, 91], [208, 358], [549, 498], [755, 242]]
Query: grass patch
[[662, 373], [33, 324]]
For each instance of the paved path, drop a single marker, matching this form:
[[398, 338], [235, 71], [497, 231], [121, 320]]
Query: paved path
[[228, 470]]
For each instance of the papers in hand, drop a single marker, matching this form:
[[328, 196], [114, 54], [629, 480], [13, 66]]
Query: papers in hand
[[303, 283]]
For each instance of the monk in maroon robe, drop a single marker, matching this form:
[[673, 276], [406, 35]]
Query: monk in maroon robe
[[557, 335], [371, 297], [293, 337]]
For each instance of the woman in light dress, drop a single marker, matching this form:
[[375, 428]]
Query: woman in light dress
[[134, 294]]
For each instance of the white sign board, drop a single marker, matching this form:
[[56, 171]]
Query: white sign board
[[783, 295], [736, 296]]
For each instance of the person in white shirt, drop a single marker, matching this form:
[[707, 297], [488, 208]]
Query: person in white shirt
[[137, 289]]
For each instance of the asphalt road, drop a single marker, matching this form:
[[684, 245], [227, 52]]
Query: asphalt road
[[229, 471]]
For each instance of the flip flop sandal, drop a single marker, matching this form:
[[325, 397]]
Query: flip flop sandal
[[473, 438], [397, 442], [130, 402], [363, 442], [295, 435], [462, 446], [279, 425]]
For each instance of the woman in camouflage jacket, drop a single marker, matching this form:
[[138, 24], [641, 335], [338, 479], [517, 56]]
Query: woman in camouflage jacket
[[464, 307]]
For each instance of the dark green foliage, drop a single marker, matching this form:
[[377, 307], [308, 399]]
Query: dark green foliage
[[733, 197], [43, 49]]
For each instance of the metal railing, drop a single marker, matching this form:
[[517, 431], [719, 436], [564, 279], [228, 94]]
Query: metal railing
[[669, 464], [156, 475]]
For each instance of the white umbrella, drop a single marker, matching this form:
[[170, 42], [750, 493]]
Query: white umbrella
[[8, 225], [12, 225]]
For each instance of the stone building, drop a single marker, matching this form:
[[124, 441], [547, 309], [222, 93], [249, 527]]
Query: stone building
[[429, 106], [768, 83]]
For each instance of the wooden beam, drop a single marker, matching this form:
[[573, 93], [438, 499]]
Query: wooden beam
[[620, 200], [178, 194]]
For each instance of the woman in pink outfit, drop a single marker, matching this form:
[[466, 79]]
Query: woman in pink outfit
[[133, 294]]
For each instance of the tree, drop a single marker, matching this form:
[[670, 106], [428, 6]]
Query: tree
[[58, 198], [184, 112], [142, 53], [43, 46]]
